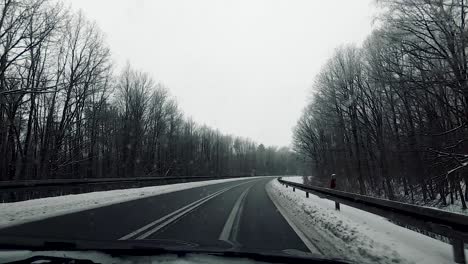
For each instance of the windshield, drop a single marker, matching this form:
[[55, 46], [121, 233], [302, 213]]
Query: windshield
[[298, 130]]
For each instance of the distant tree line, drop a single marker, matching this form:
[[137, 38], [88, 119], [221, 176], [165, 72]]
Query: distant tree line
[[390, 118], [64, 114]]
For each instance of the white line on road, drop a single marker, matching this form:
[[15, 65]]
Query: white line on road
[[231, 225], [144, 228], [296, 229], [169, 218]]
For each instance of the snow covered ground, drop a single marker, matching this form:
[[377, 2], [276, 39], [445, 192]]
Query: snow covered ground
[[32, 210], [355, 234], [296, 179]]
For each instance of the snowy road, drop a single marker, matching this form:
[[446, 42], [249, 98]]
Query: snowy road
[[249, 213], [224, 215]]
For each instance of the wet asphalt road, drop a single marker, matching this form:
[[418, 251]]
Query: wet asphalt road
[[237, 214]]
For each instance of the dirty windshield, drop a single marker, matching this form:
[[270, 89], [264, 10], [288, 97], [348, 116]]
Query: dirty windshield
[[218, 131]]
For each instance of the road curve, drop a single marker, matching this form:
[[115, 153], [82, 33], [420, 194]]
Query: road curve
[[237, 214]]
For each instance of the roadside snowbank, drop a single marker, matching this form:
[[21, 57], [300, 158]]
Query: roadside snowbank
[[358, 235], [296, 179], [37, 209]]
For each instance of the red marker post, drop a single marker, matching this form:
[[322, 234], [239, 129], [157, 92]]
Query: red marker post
[[333, 186], [333, 181]]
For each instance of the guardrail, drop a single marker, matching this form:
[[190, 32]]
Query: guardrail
[[451, 225], [14, 191]]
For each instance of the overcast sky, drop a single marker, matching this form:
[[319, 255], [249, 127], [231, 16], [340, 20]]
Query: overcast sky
[[242, 66]]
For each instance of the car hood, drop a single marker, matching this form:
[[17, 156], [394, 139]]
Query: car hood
[[24, 247]]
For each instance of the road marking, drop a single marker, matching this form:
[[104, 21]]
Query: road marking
[[177, 216], [312, 248], [144, 228], [171, 217], [229, 233]]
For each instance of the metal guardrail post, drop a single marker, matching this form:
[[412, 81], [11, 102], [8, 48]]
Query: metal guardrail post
[[458, 250]]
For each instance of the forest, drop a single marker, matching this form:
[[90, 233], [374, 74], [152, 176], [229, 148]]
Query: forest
[[390, 117], [65, 113]]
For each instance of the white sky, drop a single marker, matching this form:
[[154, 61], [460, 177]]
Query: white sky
[[243, 66]]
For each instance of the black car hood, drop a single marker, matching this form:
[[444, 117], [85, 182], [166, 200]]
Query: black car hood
[[159, 247]]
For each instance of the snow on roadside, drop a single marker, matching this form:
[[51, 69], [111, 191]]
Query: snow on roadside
[[37, 209], [296, 179], [358, 235]]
